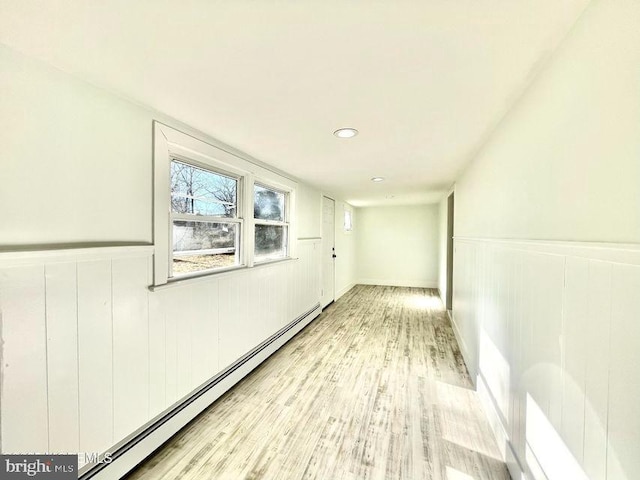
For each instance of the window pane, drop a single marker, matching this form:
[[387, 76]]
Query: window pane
[[271, 242], [204, 246], [201, 192], [268, 204], [348, 224]]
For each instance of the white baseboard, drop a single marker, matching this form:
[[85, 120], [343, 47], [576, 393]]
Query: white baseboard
[[422, 283], [139, 450], [344, 290], [464, 350]]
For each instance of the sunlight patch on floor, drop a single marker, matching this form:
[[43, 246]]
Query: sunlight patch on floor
[[463, 426], [453, 474], [423, 302]]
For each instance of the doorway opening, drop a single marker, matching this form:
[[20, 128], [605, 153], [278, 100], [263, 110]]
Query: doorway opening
[[328, 293], [449, 299]]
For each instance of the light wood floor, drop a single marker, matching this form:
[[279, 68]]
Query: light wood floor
[[374, 388]]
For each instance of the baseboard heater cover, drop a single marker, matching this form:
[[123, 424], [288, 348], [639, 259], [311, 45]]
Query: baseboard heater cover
[[196, 402]]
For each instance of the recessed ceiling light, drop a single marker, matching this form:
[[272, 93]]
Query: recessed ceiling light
[[377, 179], [345, 132]]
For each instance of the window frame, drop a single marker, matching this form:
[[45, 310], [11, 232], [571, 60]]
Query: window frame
[[170, 144], [347, 212], [189, 217], [286, 222]]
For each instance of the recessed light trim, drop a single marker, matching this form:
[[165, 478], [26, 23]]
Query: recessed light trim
[[377, 179], [346, 132]]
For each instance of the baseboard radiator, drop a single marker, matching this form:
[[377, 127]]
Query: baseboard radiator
[[132, 451]]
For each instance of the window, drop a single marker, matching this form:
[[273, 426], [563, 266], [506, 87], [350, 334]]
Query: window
[[348, 220], [205, 227], [271, 228], [214, 210]]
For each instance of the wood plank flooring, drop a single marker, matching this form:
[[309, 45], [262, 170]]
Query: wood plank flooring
[[374, 388]]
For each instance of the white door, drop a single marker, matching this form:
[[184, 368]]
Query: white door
[[328, 251]]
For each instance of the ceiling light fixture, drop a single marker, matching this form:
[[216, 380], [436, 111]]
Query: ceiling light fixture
[[377, 179], [345, 132]]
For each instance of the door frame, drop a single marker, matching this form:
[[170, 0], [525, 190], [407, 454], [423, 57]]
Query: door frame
[[450, 248], [333, 247]]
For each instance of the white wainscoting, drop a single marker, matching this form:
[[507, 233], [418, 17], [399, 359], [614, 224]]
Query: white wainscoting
[[90, 355], [551, 331]]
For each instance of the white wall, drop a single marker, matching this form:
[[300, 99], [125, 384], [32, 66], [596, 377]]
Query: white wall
[[551, 328], [98, 355], [564, 164], [551, 331], [310, 226], [398, 245], [346, 249], [76, 161], [76, 169], [309, 212]]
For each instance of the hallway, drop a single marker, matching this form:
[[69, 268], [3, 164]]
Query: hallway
[[374, 388]]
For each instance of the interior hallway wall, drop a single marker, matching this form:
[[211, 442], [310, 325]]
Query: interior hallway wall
[[398, 245], [547, 269], [346, 249], [309, 211], [76, 160], [77, 171], [68, 146]]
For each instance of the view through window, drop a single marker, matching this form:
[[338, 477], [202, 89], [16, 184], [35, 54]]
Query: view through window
[[271, 227], [205, 226]]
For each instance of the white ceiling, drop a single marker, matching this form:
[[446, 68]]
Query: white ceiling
[[424, 81]]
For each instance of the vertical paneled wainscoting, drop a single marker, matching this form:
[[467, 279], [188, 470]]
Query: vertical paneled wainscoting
[[551, 331], [95, 362]]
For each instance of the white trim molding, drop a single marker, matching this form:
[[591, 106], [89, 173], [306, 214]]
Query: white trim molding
[[170, 143], [398, 282], [344, 290], [72, 254]]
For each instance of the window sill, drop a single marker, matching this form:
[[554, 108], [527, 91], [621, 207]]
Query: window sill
[[213, 275], [270, 261]]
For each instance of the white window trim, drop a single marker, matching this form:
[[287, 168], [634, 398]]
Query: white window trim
[[347, 209], [237, 220], [170, 143], [287, 216]]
